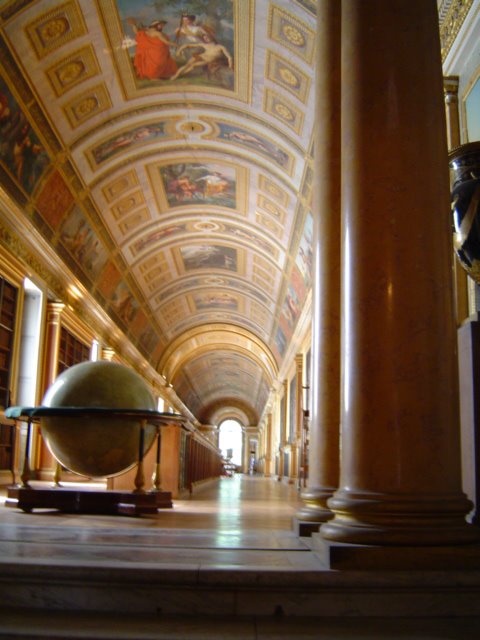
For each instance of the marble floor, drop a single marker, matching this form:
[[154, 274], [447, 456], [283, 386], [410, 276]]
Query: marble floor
[[241, 521], [223, 563]]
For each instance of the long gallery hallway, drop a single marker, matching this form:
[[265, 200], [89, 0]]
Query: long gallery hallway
[[223, 563]]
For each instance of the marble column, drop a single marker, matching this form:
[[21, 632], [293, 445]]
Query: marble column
[[45, 461], [52, 343], [450, 89], [400, 480], [323, 451], [295, 447], [268, 446], [283, 430]]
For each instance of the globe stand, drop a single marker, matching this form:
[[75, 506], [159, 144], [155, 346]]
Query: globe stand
[[90, 501]]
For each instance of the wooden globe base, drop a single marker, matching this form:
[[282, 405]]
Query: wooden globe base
[[88, 501], [91, 501]]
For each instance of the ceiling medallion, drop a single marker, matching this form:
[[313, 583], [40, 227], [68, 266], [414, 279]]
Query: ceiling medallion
[[214, 280], [283, 111], [288, 76], [293, 35], [191, 127], [207, 226]]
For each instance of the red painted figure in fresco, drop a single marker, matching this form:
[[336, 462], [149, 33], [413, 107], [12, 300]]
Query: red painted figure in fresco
[[152, 56]]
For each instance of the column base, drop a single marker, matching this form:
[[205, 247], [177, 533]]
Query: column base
[[399, 519], [341, 556], [304, 528], [314, 512]]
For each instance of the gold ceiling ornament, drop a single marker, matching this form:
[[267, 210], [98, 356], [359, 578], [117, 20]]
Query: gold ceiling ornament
[[119, 185], [191, 127], [286, 75], [289, 31], [128, 203], [131, 222], [207, 226], [272, 188], [53, 29], [293, 35], [283, 110], [203, 339], [452, 16], [214, 280], [73, 70]]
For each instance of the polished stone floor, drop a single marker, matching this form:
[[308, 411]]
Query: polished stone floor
[[223, 563], [240, 521]]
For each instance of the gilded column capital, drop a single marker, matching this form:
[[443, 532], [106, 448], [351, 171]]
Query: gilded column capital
[[108, 353], [450, 87], [54, 312]]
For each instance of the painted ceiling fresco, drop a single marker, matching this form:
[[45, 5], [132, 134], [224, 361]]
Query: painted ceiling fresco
[[163, 148]]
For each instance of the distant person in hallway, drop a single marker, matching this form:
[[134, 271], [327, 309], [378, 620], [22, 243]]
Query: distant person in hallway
[[152, 56]]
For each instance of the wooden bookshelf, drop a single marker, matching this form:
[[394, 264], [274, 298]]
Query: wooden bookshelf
[[8, 308], [71, 351]]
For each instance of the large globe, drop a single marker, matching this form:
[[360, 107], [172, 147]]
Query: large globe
[[97, 446]]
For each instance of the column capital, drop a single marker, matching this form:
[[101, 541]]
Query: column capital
[[108, 353], [450, 86], [54, 311]]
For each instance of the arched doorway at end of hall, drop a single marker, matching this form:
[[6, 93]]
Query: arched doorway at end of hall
[[230, 442]]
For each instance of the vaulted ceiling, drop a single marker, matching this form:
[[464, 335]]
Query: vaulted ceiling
[[173, 181]]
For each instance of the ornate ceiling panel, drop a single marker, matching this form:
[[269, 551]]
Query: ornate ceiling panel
[[163, 148]]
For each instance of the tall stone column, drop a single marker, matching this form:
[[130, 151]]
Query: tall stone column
[[268, 446], [400, 481], [52, 343], [450, 88], [323, 451], [45, 462], [297, 434]]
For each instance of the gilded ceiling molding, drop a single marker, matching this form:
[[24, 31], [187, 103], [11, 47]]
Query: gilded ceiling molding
[[55, 28], [73, 70], [286, 75], [283, 110], [202, 107], [87, 105], [207, 336], [290, 32], [452, 14], [218, 412]]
